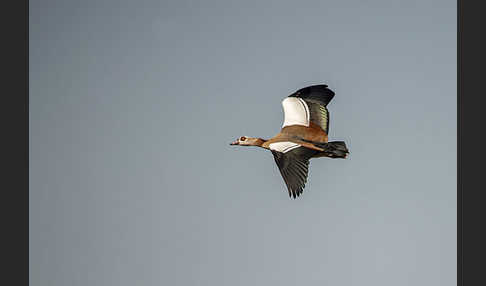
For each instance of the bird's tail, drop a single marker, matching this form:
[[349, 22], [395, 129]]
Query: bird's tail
[[336, 149]]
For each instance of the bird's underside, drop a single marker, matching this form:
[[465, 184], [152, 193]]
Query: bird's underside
[[307, 136]]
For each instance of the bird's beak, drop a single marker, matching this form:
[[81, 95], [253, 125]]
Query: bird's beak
[[235, 143]]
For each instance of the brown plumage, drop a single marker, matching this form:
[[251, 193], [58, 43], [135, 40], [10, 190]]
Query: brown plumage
[[304, 135]]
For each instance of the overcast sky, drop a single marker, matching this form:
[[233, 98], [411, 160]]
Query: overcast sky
[[133, 105]]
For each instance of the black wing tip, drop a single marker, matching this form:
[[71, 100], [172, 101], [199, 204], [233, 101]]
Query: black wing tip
[[294, 194], [313, 88], [319, 92]]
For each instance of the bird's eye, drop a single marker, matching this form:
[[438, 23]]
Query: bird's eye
[[243, 138]]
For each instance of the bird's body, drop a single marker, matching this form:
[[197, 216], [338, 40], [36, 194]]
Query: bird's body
[[304, 135]]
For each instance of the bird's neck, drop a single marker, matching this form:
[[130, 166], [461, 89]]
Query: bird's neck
[[259, 142]]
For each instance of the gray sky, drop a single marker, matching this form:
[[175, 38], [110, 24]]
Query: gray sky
[[133, 105]]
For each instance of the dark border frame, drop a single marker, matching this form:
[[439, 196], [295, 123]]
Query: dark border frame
[[470, 73], [471, 236], [15, 136]]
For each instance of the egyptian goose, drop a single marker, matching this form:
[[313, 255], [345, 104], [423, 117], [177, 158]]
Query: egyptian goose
[[303, 136]]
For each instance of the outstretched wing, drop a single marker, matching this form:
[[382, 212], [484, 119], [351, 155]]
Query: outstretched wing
[[308, 105], [293, 163]]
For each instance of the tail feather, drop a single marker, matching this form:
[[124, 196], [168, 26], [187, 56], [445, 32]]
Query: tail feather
[[336, 149]]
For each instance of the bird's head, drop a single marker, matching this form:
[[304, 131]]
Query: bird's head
[[248, 141]]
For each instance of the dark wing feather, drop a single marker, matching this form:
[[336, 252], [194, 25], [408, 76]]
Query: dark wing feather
[[294, 168], [317, 98], [317, 93], [319, 115]]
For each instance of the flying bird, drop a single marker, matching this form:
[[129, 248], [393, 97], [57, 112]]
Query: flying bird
[[304, 135]]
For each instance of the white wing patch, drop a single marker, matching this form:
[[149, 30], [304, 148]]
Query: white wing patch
[[296, 112], [283, 147]]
